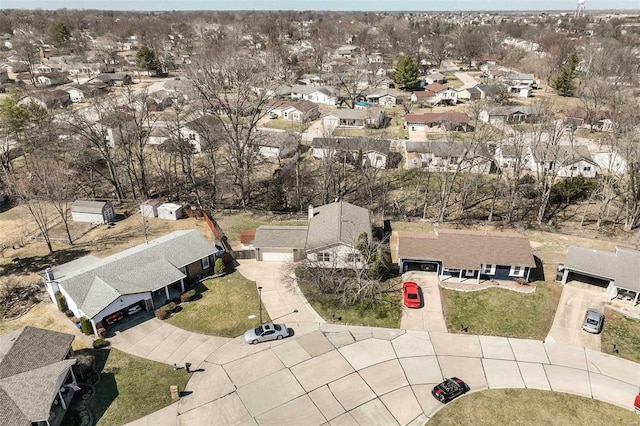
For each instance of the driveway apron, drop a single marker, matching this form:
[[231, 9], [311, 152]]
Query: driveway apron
[[429, 317]]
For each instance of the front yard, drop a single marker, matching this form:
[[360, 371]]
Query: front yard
[[624, 333], [386, 312], [129, 388], [530, 407], [500, 312], [221, 308]]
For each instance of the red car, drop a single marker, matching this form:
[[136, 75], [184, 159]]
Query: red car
[[411, 295]]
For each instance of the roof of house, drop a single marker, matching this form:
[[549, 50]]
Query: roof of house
[[337, 223], [509, 110], [466, 249], [353, 144], [355, 114], [302, 105], [146, 267], [280, 237], [33, 366], [621, 266], [286, 142], [437, 117], [307, 89], [563, 154], [448, 148], [424, 94], [436, 87], [86, 206]]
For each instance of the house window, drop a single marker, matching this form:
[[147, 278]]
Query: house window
[[323, 257], [488, 269], [573, 168], [586, 168], [469, 273], [205, 262], [516, 271], [353, 257], [192, 136]]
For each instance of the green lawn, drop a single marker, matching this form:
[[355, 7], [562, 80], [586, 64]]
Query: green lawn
[[622, 331], [131, 387], [500, 312], [386, 313], [222, 308], [530, 407], [232, 223], [292, 126]]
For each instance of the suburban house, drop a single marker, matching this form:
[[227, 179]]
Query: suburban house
[[470, 94], [112, 79], [616, 271], [435, 77], [611, 160], [200, 131], [51, 79], [346, 51], [384, 98], [116, 126], [438, 122], [318, 94], [518, 79], [509, 154], [148, 275], [448, 156], [507, 114], [565, 160], [359, 118], [467, 255], [373, 152], [444, 95], [424, 97], [79, 92], [299, 111], [328, 240], [47, 99], [37, 381], [92, 211], [277, 144]]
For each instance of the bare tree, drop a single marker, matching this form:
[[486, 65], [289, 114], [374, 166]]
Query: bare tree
[[235, 91]]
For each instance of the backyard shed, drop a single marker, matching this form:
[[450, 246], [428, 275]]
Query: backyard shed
[[150, 208], [170, 211], [92, 211]]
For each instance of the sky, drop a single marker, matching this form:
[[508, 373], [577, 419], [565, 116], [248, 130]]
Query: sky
[[341, 5]]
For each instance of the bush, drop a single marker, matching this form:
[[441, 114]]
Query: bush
[[169, 307], [219, 267], [68, 313], [61, 301], [161, 314], [187, 296], [100, 343], [85, 325]]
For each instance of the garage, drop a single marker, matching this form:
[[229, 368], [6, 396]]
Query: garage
[[268, 256], [417, 265], [587, 279]]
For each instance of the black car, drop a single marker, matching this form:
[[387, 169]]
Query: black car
[[449, 389]]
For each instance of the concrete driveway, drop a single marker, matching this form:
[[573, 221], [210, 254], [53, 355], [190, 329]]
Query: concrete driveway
[[430, 317], [467, 80], [576, 298], [337, 374]]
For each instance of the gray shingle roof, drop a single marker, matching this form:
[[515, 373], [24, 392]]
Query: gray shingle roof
[[280, 237], [86, 206], [32, 369], [621, 266], [338, 222], [143, 268], [353, 144]]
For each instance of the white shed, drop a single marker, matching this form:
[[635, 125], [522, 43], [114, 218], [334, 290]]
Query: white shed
[[92, 211], [150, 208], [170, 211]]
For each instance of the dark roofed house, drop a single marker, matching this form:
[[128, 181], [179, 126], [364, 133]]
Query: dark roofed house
[[508, 114], [374, 152], [145, 275], [112, 79], [448, 155], [37, 382], [373, 117], [438, 122], [617, 271], [467, 255]]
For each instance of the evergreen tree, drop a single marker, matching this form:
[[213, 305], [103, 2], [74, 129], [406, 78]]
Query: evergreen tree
[[146, 59], [275, 197], [564, 83], [406, 73], [60, 34]]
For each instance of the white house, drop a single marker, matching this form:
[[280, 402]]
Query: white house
[[92, 211], [318, 94], [373, 152], [610, 161], [564, 160], [357, 118]]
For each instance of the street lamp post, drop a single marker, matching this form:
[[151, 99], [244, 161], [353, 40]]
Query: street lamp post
[[260, 297]]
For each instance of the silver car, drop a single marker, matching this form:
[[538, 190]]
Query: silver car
[[266, 332], [593, 321]]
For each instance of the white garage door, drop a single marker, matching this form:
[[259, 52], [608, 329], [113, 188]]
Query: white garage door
[[277, 257]]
